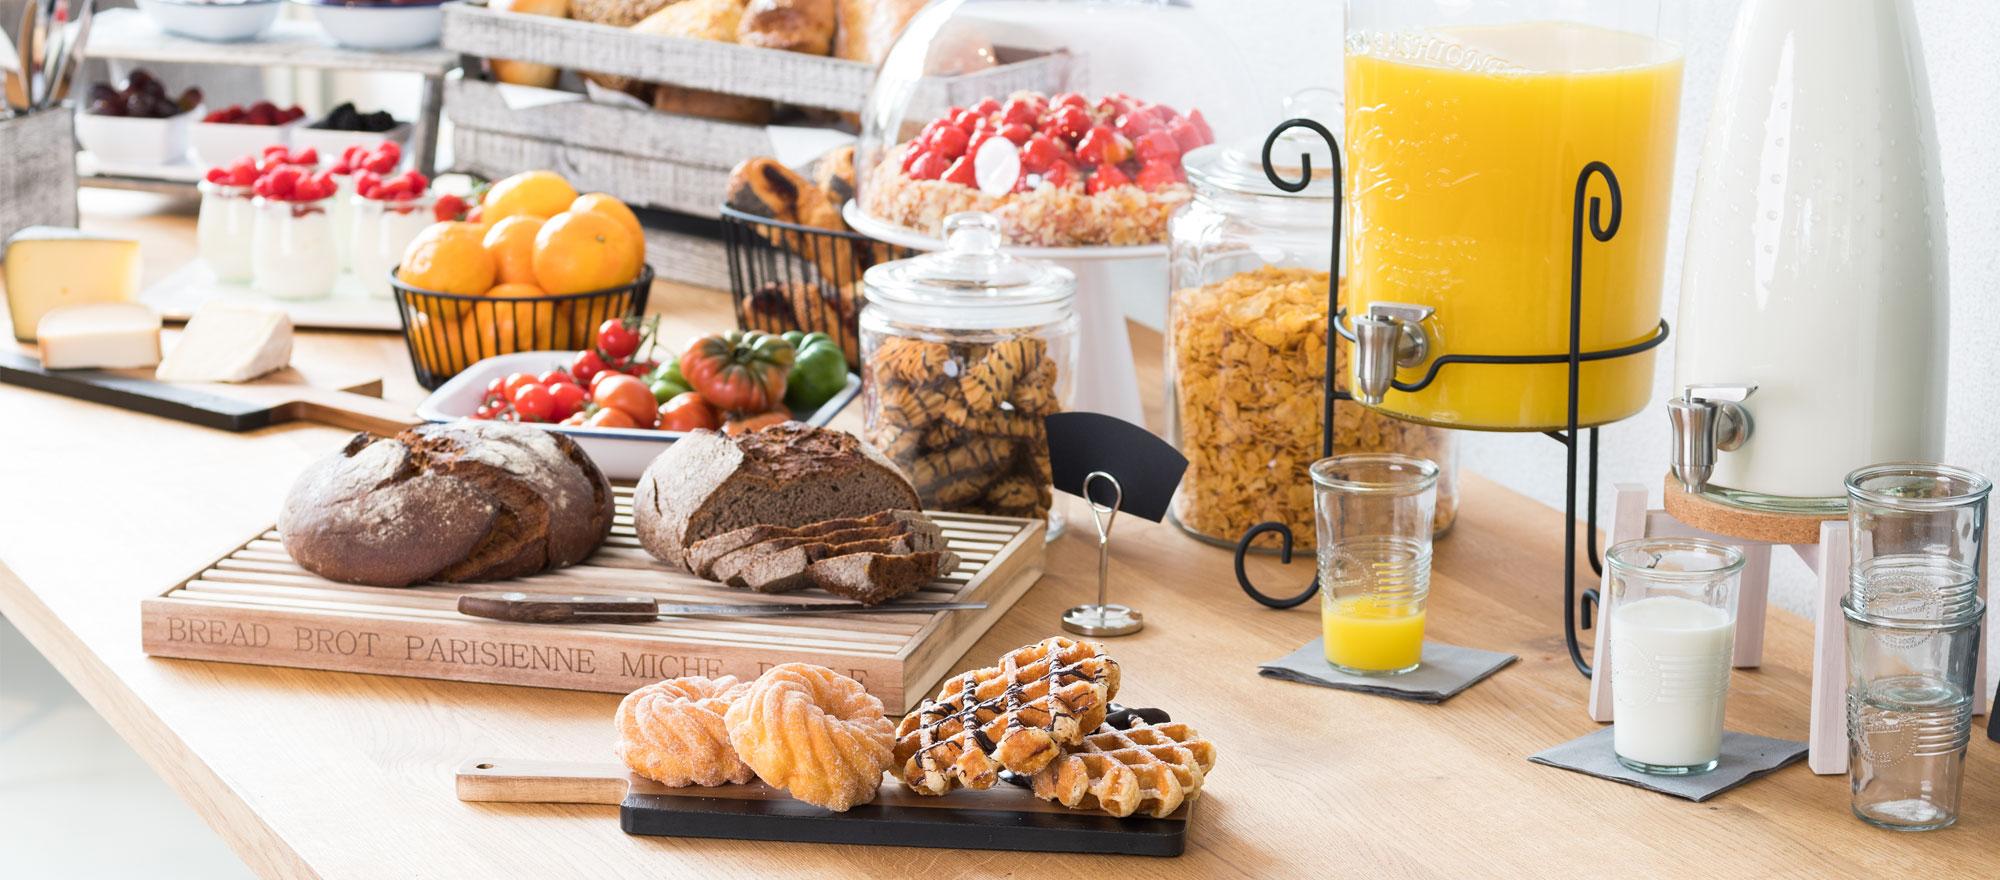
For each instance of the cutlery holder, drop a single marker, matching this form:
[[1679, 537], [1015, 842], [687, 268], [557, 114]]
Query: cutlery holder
[[38, 182]]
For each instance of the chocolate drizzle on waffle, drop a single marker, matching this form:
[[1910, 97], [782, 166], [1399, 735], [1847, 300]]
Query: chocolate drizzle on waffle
[[1015, 716]]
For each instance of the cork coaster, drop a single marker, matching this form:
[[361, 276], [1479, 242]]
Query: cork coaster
[[1722, 519]]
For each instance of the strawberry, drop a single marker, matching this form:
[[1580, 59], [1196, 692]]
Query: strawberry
[[1184, 134], [1017, 132], [961, 172], [1022, 110], [912, 151], [291, 113], [948, 142], [216, 176], [243, 173], [1070, 99], [1157, 174], [447, 207], [1103, 145], [1201, 126], [285, 179], [966, 120], [1135, 124], [1157, 146], [1162, 113], [978, 138], [1111, 107], [307, 156], [929, 166], [986, 107], [1062, 174], [931, 129], [366, 182], [1072, 122], [264, 115], [1107, 176], [1039, 154], [418, 182]]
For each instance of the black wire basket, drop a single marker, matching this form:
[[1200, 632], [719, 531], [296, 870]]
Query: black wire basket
[[447, 332], [784, 276]]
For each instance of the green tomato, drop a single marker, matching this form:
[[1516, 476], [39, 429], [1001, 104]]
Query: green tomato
[[795, 337], [670, 371], [811, 339], [819, 372], [666, 389]]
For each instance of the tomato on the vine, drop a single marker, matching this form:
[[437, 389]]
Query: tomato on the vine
[[516, 381], [616, 339], [585, 366], [569, 399], [686, 412], [533, 403], [552, 378], [496, 389]]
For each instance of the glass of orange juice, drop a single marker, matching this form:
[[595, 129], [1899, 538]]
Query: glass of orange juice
[[1372, 515], [1468, 123]]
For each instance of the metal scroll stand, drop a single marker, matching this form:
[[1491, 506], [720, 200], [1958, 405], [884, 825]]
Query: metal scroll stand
[[1601, 231], [1103, 618]]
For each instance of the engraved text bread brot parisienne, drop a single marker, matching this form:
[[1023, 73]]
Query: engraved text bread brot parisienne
[[1249, 355]]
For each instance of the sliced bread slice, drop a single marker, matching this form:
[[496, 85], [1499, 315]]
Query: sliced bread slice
[[874, 578]]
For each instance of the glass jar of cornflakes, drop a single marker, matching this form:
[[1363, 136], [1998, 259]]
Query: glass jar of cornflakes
[[1246, 348], [964, 352]]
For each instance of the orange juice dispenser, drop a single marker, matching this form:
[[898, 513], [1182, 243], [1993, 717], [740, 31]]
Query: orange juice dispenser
[[1468, 122]]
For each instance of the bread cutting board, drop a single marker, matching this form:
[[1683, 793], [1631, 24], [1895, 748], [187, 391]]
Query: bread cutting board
[[256, 605], [291, 394], [1004, 817]]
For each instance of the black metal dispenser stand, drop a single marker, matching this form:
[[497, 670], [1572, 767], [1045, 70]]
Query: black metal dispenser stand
[[1601, 230]]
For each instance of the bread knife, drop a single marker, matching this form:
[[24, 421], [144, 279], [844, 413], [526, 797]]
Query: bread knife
[[520, 607]]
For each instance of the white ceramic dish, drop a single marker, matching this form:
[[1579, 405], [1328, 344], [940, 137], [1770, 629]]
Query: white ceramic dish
[[220, 143], [622, 453], [379, 26], [330, 142], [216, 22], [133, 140]]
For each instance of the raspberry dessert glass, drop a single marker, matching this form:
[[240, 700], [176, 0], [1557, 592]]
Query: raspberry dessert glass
[[223, 229]]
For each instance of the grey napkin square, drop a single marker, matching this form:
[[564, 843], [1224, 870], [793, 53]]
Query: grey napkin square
[[1744, 757], [1446, 670]]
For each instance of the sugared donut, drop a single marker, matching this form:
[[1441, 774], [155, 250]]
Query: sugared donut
[[673, 732], [814, 733]]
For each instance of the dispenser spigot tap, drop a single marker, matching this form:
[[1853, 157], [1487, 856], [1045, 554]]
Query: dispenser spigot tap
[[1707, 419], [1389, 336]]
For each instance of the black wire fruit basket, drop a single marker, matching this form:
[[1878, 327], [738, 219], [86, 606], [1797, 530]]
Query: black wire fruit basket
[[448, 332], [785, 276]]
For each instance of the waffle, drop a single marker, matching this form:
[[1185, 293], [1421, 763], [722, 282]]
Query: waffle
[[1151, 768], [1015, 716]]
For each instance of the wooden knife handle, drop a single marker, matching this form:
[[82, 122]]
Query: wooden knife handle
[[503, 780], [519, 607]]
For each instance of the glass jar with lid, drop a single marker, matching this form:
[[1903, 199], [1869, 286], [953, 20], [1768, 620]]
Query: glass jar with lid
[[1246, 343], [964, 352]]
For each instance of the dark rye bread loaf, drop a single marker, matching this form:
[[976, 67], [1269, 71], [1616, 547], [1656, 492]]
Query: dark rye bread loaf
[[703, 555], [785, 475], [874, 578], [463, 501], [779, 565]]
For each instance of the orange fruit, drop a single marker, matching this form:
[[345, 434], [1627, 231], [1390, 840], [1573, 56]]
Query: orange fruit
[[448, 258], [581, 251], [616, 210], [488, 331], [534, 193], [536, 322], [512, 244]]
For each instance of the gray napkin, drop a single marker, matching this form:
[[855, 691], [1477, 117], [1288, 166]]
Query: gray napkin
[[1744, 757], [1446, 670]]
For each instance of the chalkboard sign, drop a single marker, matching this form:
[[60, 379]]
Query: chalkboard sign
[[1147, 468]]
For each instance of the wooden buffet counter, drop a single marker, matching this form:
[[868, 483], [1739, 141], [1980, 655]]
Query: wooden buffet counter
[[341, 775]]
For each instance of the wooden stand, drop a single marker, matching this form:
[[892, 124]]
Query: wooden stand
[[1827, 557]]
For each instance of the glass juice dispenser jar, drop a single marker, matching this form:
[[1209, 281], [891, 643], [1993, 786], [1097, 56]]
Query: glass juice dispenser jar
[[1468, 123]]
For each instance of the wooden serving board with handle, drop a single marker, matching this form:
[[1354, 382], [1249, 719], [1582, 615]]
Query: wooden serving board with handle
[[1004, 817], [291, 394]]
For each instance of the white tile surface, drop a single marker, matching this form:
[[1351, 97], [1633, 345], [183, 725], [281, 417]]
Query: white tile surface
[[75, 801]]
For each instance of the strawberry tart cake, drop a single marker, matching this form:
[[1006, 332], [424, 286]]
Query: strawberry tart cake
[[1058, 171]]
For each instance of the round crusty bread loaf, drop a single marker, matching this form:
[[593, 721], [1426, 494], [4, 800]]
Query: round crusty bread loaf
[[463, 501], [785, 475]]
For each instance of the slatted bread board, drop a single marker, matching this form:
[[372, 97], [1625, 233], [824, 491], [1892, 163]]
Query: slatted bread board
[[255, 605]]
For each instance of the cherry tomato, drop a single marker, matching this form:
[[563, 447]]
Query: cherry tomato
[[483, 412], [552, 378], [569, 399], [533, 403], [621, 392], [686, 412], [616, 340], [585, 366], [610, 418], [642, 368], [515, 381], [496, 389]]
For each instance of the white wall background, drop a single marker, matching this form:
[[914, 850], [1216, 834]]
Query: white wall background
[[1290, 44]]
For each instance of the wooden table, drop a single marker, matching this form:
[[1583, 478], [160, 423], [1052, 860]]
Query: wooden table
[[337, 775]]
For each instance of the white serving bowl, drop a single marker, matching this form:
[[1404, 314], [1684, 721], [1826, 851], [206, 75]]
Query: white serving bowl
[[622, 453], [218, 22], [330, 142], [379, 26], [220, 143], [134, 140]]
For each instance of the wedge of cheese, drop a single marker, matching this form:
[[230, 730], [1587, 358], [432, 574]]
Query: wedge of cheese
[[229, 342], [47, 268], [105, 336]]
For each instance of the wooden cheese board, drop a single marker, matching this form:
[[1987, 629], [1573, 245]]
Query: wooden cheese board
[[1004, 817], [299, 393], [255, 605]]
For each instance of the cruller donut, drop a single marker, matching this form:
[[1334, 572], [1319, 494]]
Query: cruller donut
[[672, 732], [815, 733]]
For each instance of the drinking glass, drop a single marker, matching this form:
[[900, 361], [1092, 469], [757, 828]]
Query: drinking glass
[[1372, 515], [1909, 713], [1919, 532], [1673, 632]]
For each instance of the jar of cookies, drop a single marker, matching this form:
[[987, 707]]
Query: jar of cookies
[[964, 351], [1246, 344]]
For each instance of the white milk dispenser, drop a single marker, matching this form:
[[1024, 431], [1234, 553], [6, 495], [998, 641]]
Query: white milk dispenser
[[1813, 302]]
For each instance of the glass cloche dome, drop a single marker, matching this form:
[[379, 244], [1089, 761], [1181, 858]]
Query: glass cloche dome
[[1066, 119]]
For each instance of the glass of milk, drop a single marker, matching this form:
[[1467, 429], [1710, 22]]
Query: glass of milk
[[1673, 631]]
